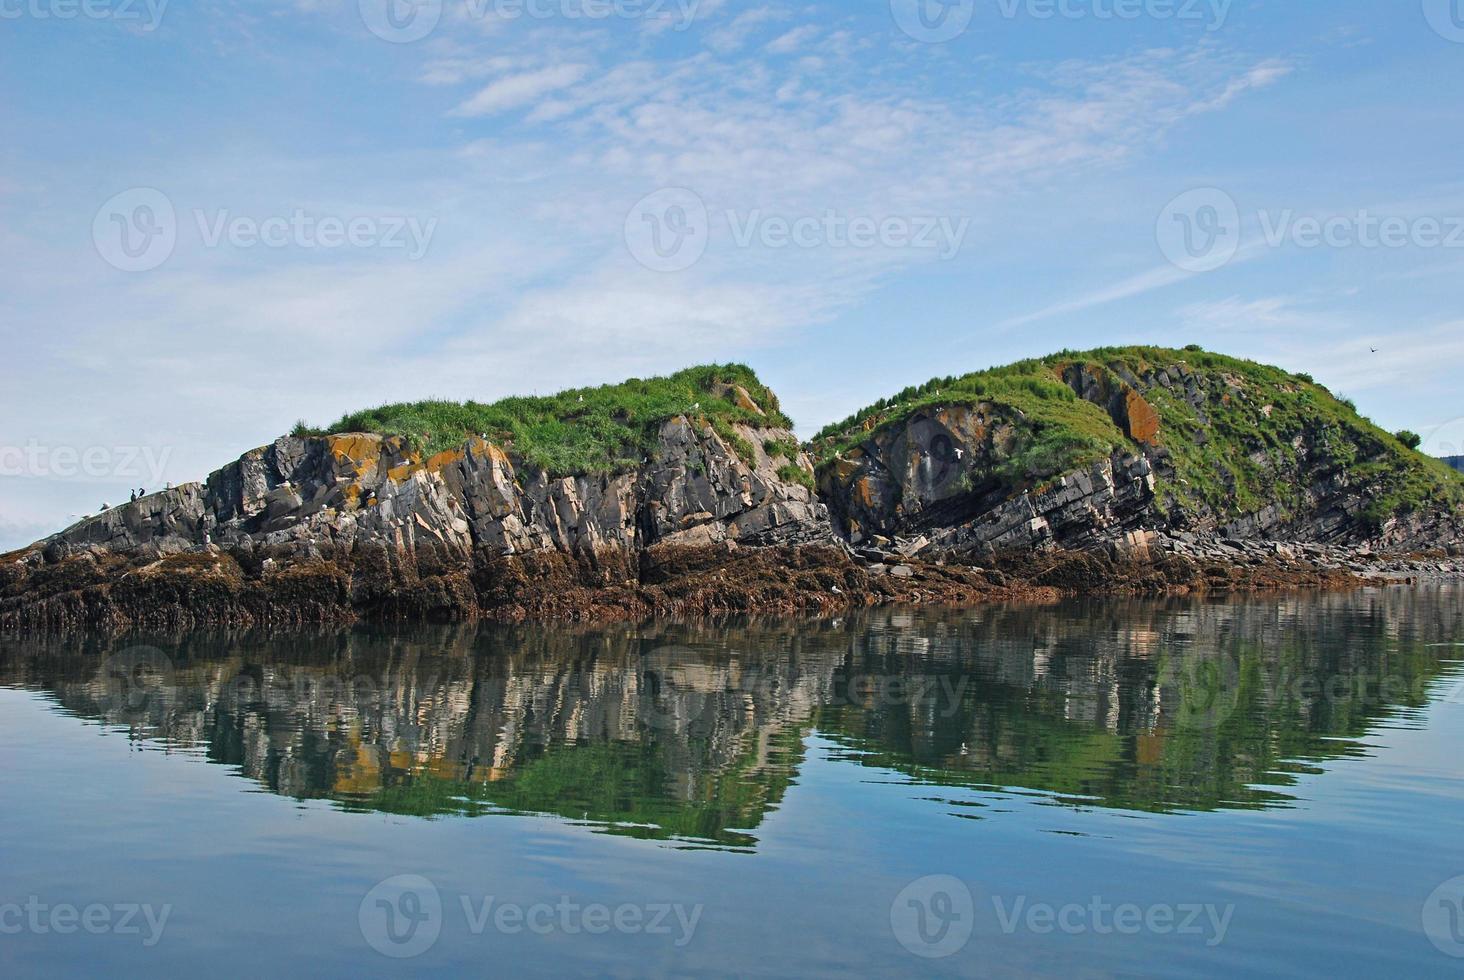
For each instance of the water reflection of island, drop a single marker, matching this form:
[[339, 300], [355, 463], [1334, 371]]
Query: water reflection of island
[[693, 733]]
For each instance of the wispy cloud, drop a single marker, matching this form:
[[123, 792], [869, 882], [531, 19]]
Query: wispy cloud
[[794, 40], [734, 35], [1234, 315], [516, 91]]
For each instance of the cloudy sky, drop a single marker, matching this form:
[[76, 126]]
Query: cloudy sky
[[220, 216]]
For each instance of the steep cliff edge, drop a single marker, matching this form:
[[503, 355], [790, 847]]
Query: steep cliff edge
[[1078, 449]]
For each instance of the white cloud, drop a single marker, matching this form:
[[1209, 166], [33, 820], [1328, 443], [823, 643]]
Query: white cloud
[[1266, 314], [1414, 357], [516, 91], [734, 35], [793, 40]]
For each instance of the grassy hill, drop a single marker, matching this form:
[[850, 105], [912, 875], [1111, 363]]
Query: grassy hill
[[609, 429], [1232, 436]]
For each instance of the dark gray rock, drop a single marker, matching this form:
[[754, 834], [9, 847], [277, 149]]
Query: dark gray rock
[[348, 494]]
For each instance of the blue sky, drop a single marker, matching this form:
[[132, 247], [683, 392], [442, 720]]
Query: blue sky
[[325, 208]]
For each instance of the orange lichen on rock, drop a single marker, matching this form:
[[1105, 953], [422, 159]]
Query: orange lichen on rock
[[445, 459], [399, 473], [355, 448], [1143, 421]]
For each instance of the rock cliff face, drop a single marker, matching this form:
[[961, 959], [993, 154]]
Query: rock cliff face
[[339, 495], [939, 475], [1177, 448], [325, 527]]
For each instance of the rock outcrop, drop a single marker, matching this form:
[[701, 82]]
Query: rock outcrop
[[1260, 456], [361, 523], [329, 496], [939, 474]]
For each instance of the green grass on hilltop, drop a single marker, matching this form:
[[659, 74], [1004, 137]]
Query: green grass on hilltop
[[1226, 452], [1062, 430], [609, 429]]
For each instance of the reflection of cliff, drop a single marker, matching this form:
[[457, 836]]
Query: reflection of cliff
[[1141, 705], [695, 733], [655, 732]]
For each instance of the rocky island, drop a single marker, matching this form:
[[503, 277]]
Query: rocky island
[[1130, 470]]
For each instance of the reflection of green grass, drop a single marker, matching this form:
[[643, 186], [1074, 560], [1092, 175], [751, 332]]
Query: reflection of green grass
[[1274, 726], [589, 430], [627, 787]]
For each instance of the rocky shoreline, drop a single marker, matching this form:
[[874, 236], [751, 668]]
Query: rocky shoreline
[[207, 587]]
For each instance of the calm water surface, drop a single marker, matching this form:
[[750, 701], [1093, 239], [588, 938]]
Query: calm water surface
[[1139, 788]]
